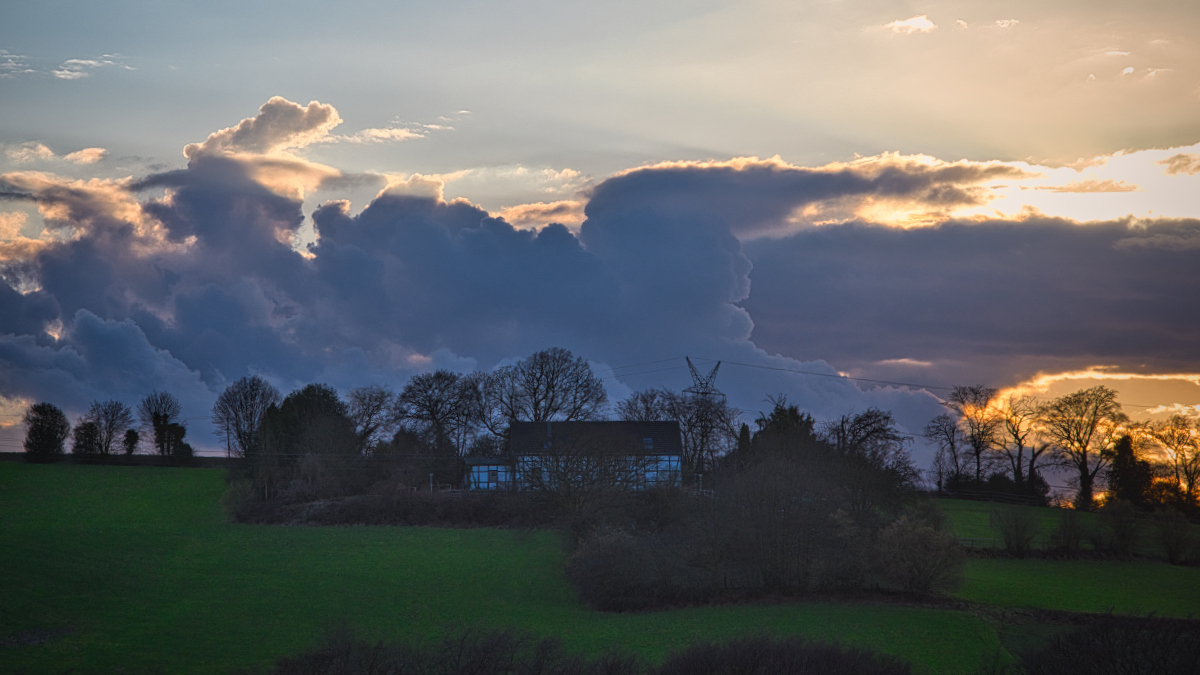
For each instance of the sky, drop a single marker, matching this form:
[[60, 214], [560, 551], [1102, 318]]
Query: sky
[[853, 204]]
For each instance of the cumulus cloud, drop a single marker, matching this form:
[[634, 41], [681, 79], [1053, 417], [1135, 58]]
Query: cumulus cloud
[[770, 267], [29, 152], [86, 155], [1006, 23], [279, 125], [917, 24], [14, 65]]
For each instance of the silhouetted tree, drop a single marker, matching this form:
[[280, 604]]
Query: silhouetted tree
[[978, 420], [110, 417], [1180, 438], [1082, 425], [1129, 478], [46, 429], [131, 441], [372, 409], [239, 410], [157, 411], [442, 405], [1019, 416], [85, 439], [552, 384], [944, 433]]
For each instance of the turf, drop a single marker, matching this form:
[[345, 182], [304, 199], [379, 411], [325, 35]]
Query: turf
[[973, 521], [139, 565]]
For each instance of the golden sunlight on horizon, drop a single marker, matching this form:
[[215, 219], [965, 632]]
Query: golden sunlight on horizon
[[1142, 396]]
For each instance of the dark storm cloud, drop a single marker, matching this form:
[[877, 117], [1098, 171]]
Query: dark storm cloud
[[202, 285], [973, 299]]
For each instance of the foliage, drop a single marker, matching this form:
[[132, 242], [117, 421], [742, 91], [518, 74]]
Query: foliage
[[130, 443], [46, 428], [441, 406], [1129, 477], [1176, 536], [919, 558], [85, 439], [1018, 527]]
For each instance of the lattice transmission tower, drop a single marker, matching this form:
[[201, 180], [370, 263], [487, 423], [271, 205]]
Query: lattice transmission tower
[[708, 405]]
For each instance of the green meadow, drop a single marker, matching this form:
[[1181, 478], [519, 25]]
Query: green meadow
[[134, 569]]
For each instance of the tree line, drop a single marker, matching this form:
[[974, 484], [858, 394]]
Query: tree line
[[107, 429], [985, 443]]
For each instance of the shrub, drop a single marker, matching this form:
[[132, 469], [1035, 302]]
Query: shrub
[[1121, 645], [1121, 533], [1176, 537], [46, 428], [1018, 527], [1069, 535], [919, 559], [791, 656]]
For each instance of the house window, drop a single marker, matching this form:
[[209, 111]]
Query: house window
[[493, 476], [648, 443]]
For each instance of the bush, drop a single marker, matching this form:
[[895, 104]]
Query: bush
[[917, 558], [1176, 537], [1119, 646], [1069, 535], [791, 656], [1018, 527], [1122, 529]]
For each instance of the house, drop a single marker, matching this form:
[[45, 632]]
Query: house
[[562, 455]]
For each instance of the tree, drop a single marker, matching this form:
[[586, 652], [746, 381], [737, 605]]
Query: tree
[[443, 405], [85, 439], [371, 408], [157, 411], [648, 405], [111, 418], [1019, 418], [1129, 478], [131, 441], [1081, 426], [239, 410], [709, 426], [1180, 438], [978, 420], [944, 433], [46, 428], [877, 470], [552, 384]]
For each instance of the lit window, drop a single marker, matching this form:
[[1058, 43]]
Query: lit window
[[649, 443]]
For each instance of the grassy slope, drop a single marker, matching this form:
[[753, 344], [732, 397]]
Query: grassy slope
[[1071, 585], [139, 563]]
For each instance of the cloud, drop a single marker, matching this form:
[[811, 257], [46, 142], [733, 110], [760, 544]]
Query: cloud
[[77, 69], [381, 135], [86, 156], [917, 24], [14, 65], [1182, 163], [29, 152], [279, 125], [11, 223], [1006, 23], [525, 216], [1092, 186]]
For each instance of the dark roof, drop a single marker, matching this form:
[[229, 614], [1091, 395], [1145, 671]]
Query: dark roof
[[476, 461], [622, 438]]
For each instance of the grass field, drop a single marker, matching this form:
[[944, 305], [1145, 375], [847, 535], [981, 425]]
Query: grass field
[[139, 564]]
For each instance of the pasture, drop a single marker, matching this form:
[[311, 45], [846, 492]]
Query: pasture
[[134, 568]]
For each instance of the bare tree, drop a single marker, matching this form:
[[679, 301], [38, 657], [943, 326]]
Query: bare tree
[[978, 420], [442, 405], [648, 405], [1020, 418], [876, 466], [709, 426], [158, 411], [944, 433], [239, 411], [372, 408], [112, 418], [552, 384], [1082, 426], [1179, 437]]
